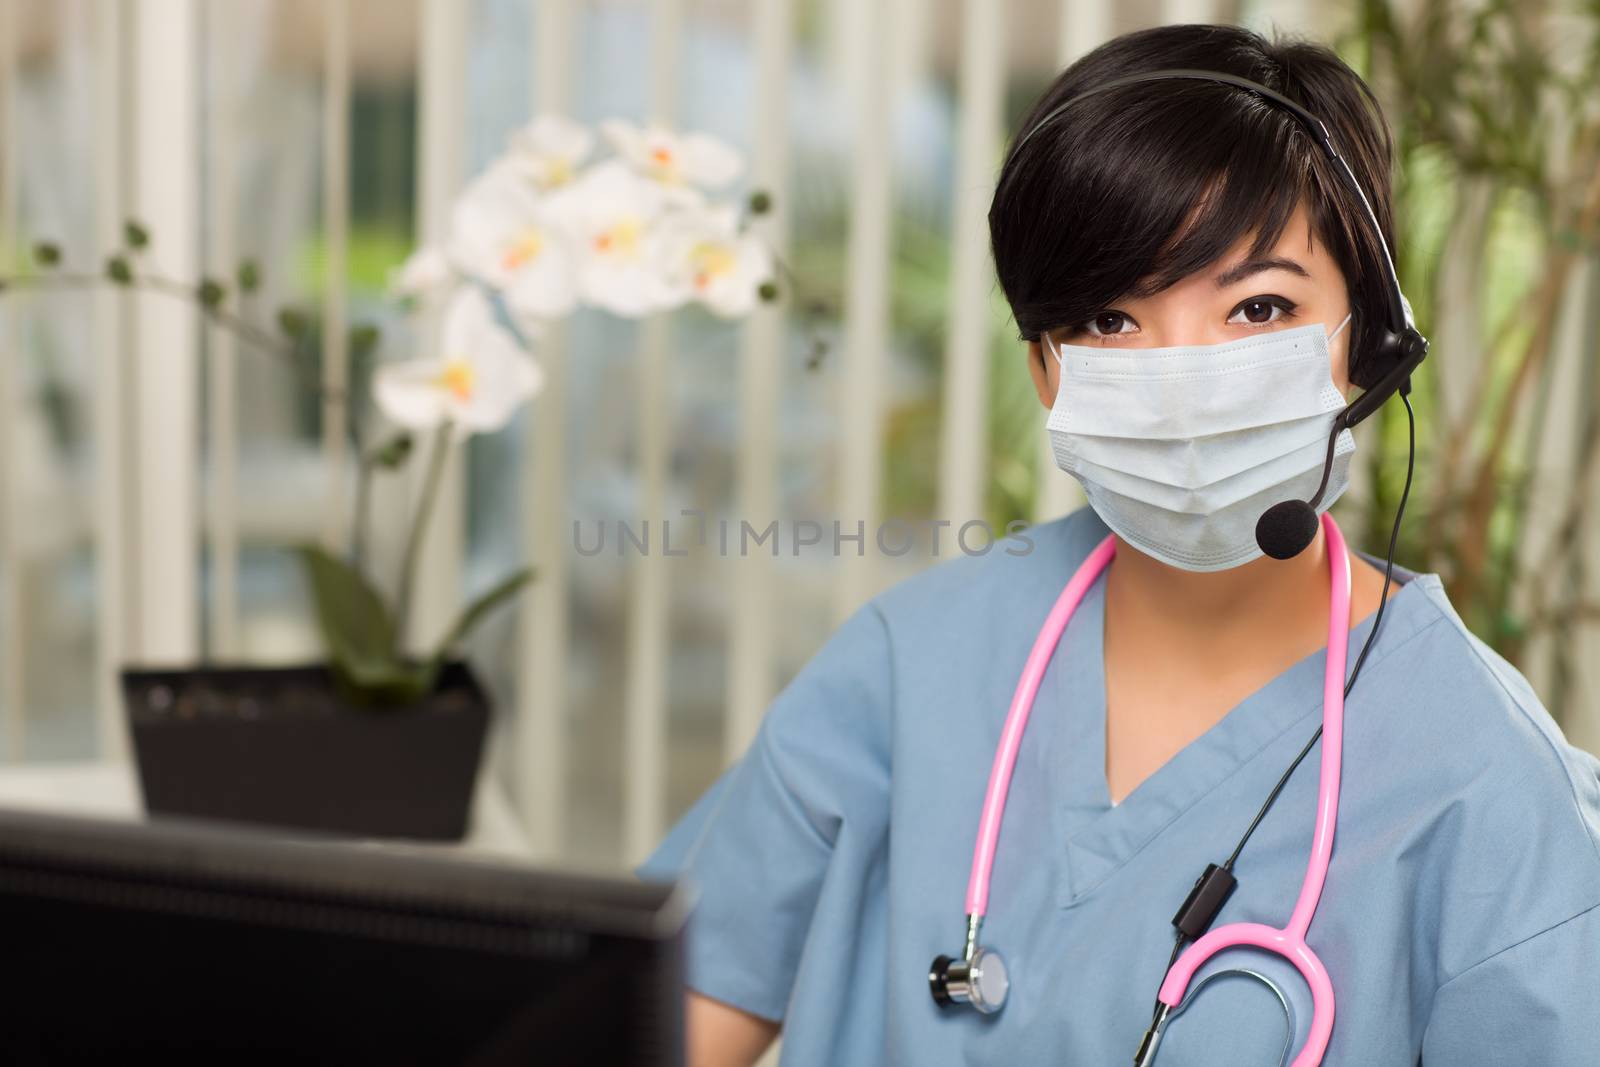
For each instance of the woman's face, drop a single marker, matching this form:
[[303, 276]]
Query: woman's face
[[1294, 283]]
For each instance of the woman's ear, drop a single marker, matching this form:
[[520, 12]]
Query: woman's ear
[[1044, 383]]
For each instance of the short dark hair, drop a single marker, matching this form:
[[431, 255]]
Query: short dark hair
[[1135, 187]]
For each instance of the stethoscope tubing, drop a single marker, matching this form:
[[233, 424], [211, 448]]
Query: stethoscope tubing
[[1290, 941], [1005, 756]]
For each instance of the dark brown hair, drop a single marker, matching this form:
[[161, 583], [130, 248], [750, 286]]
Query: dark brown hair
[[1132, 188]]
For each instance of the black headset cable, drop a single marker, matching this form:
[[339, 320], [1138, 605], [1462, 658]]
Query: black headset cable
[[1217, 883]]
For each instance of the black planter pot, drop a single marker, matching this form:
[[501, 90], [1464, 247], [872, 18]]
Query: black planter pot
[[279, 746]]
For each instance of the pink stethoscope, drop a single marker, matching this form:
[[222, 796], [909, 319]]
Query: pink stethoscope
[[979, 976]]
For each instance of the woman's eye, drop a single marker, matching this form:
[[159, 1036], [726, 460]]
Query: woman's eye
[[1108, 323], [1260, 310], [1256, 311]]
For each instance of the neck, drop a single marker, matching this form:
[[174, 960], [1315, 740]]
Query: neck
[[1205, 610]]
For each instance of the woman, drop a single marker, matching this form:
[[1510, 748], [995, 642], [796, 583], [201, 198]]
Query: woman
[[1459, 920]]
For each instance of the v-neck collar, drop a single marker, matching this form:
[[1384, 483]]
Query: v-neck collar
[[1099, 837]]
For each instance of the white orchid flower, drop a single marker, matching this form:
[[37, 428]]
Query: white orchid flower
[[549, 150], [679, 162], [477, 384], [425, 271], [502, 235], [707, 259], [612, 215]]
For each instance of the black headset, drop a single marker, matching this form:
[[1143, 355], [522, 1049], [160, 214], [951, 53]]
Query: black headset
[[1286, 528]]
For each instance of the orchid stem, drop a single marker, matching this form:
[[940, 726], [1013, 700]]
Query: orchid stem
[[241, 327], [419, 524], [358, 535]]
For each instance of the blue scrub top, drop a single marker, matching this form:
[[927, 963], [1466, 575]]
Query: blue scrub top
[[1459, 921]]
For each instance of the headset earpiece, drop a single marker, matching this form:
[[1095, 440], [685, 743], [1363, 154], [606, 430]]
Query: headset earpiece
[[1401, 354]]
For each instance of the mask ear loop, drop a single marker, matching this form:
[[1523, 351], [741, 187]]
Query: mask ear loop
[[1342, 324]]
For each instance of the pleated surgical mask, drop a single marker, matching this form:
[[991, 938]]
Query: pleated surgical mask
[[1179, 450]]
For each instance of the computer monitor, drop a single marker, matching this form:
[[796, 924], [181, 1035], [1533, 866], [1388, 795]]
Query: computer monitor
[[204, 943]]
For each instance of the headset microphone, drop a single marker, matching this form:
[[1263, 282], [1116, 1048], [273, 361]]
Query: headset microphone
[[1289, 526]]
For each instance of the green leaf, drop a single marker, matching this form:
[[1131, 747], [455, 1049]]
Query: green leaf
[[48, 253], [390, 682], [117, 270], [768, 292], [479, 610], [1510, 626], [135, 234], [292, 321], [393, 453], [363, 339], [356, 626], [760, 202], [211, 293], [249, 276]]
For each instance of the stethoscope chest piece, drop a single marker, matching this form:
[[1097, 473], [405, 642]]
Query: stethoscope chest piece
[[980, 980]]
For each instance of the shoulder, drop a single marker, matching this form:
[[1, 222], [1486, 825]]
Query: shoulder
[[1017, 572], [1505, 809], [1487, 715], [939, 627], [958, 631]]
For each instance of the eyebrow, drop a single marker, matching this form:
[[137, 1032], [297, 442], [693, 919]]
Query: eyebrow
[[1240, 271]]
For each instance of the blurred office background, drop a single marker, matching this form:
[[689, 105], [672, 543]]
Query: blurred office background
[[153, 473]]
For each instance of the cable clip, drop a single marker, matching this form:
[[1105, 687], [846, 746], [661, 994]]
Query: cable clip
[[1211, 891]]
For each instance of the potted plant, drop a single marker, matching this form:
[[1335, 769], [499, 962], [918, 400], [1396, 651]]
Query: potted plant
[[377, 740]]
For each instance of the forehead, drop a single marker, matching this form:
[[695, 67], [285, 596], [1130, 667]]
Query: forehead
[[1298, 237], [1295, 242]]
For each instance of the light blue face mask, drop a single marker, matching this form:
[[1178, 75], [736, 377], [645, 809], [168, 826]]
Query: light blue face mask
[[1180, 450]]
